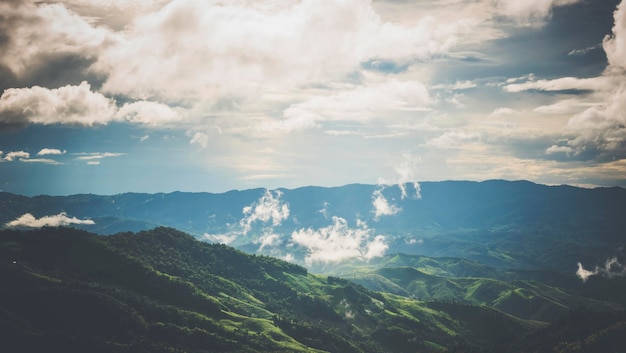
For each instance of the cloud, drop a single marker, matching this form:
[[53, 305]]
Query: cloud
[[453, 139], [559, 149], [407, 175], [458, 85], [602, 127], [16, 155], [220, 238], [147, 113], [562, 84], [234, 48], [50, 151], [339, 242], [580, 52], [529, 12], [42, 32], [382, 206], [28, 220], [360, 104], [93, 158], [76, 105], [267, 239], [41, 160], [615, 44], [268, 209], [612, 268], [503, 112], [201, 139]]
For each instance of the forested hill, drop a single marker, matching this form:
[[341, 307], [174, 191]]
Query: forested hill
[[164, 291]]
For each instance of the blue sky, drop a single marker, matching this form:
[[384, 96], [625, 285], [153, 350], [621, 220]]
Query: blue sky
[[157, 96]]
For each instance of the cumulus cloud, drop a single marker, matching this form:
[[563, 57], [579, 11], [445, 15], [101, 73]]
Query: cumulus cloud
[[559, 149], [601, 127], [612, 268], [339, 242], [269, 209], [303, 42], [382, 206], [77, 105], [147, 113], [50, 151], [40, 32], [29, 221], [16, 155]]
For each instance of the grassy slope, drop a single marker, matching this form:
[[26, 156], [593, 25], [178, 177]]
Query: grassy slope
[[163, 291]]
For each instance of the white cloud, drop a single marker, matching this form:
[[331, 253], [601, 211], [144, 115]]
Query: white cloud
[[559, 149], [503, 112], [360, 104], [220, 238], [382, 206], [28, 220], [612, 268], [16, 155], [453, 139], [235, 49], [69, 104], [268, 209], [94, 158], [339, 242], [407, 171], [267, 239], [201, 139], [615, 45], [50, 151], [41, 160], [147, 113], [458, 85]]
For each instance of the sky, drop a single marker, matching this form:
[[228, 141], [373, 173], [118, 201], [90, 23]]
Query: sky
[[118, 96]]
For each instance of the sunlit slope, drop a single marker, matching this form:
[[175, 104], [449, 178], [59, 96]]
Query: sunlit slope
[[163, 291]]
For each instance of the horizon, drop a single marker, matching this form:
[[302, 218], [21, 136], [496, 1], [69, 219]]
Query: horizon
[[183, 95], [384, 186]]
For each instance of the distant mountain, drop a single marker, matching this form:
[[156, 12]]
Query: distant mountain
[[499, 223]]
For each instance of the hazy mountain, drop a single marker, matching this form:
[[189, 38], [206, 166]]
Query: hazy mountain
[[500, 223]]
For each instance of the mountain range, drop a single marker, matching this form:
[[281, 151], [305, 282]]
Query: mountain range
[[499, 223]]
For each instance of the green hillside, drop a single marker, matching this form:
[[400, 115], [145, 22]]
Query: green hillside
[[164, 291]]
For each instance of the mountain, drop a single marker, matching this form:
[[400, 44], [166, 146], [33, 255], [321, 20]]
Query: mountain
[[163, 291], [502, 224]]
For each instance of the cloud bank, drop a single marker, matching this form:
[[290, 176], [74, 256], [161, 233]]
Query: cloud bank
[[29, 221]]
